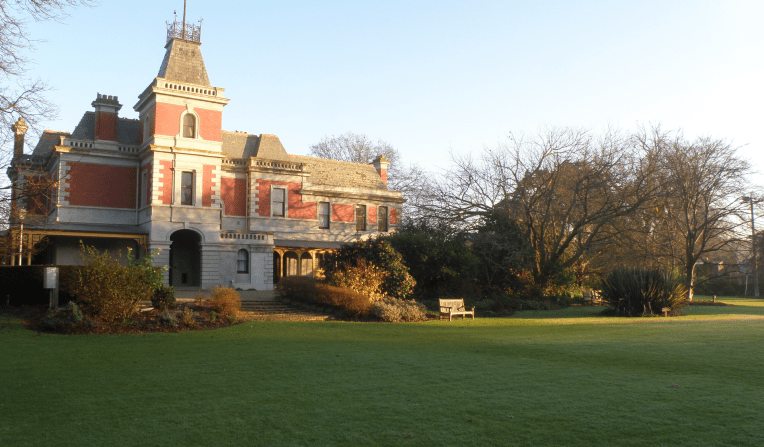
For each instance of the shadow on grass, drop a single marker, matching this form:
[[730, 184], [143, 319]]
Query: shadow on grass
[[738, 308]]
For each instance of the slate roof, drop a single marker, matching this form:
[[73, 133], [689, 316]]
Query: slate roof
[[127, 130], [48, 140], [340, 173], [183, 62], [322, 171], [240, 144]]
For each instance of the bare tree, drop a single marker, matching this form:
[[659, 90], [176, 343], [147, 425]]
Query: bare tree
[[699, 212], [564, 188], [20, 95], [358, 148], [23, 97]]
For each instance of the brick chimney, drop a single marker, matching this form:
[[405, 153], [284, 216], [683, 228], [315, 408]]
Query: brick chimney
[[19, 130], [380, 164], [106, 108]]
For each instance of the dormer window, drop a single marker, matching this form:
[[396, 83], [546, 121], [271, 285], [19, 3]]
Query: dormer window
[[189, 126]]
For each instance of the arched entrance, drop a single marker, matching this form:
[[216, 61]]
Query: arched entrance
[[185, 258]]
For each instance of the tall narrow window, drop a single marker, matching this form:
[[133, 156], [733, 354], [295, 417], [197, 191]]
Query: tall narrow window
[[360, 218], [323, 215], [278, 196], [145, 188], [187, 188], [242, 261], [189, 126], [382, 218]]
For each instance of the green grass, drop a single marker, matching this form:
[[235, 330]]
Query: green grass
[[558, 378]]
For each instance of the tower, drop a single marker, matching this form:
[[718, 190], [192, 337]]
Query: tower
[[180, 108]]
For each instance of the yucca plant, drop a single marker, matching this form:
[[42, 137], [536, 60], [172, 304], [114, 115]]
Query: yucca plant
[[642, 291]]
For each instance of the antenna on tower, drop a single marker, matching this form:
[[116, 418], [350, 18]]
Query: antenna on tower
[[184, 19]]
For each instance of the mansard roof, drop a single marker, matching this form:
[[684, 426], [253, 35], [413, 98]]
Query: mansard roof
[[244, 145], [128, 131], [340, 173], [183, 62], [322, 171], [48, 140]]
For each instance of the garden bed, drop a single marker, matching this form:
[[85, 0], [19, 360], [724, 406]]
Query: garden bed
[[188, 317]]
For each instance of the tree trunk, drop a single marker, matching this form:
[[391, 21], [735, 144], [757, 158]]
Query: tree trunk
[[689, 280]]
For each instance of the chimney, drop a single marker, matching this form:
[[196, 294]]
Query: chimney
[[380, 164], [106, 108], [19, 129]]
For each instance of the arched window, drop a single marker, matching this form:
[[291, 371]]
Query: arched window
[[189, 126], [242, 261]]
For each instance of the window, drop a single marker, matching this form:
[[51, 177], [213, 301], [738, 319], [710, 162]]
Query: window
[[189, 126], [382, 218], [145, 188], [187, 188], [278, 201], [323, 215], [360, 218], [242, 261]]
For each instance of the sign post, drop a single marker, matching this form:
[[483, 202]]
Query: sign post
[[50, 282]]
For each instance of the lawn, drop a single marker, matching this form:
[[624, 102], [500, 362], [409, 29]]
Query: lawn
[[554, 378]]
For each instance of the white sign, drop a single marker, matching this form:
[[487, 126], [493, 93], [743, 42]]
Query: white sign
[[50, 281]]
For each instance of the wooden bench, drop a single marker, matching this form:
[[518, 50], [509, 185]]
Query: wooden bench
[[592, 297], [454, 307]]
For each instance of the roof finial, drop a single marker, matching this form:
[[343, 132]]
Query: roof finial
[[184, 19]]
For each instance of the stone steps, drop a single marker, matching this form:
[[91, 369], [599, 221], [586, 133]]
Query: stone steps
[[278, 311]]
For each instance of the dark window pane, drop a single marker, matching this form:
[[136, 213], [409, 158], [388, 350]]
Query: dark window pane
[[278, 202], [323, 214], [186, 188], [189, 123], [360, 218], [242, 262], [382, 218]]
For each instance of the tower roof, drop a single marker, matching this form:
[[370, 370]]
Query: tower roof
[[183, 62]]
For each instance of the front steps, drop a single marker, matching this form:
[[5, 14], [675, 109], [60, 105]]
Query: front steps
[[273, 310]]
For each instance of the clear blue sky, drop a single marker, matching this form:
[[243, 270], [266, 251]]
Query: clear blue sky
[[430, 77]]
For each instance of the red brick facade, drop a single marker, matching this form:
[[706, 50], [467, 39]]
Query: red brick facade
[[210, 124], [233, 191], [167, 119], [296, 208], [165, 188], [106, 126], [102, 185], [343, 213], [393, 216], [145, 190], [36, 194], [372, 214], [208, 180]]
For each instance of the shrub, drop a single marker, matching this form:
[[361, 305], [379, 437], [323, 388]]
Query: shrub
[[439, 259], [108, 291], [187, 317], [163, 297], [379, 252], [362, 277], [167, 318], [225, 300], [104, 289], [394, 310], [307, 290], [642, 291], [73, 314]]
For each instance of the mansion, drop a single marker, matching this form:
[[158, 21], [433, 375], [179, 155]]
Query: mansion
[[228, 208]]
